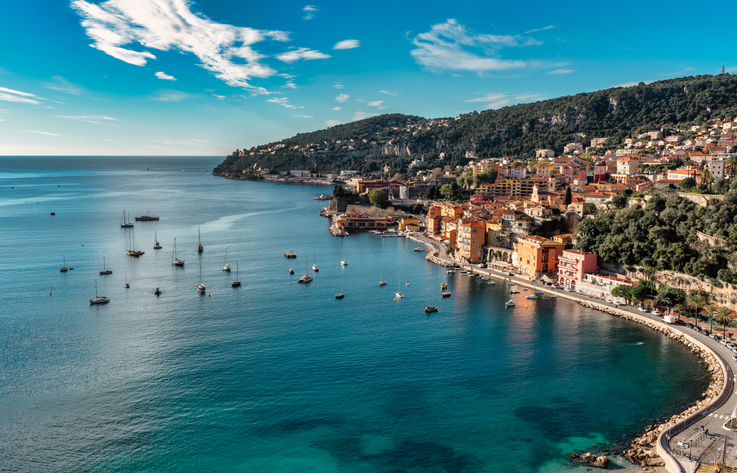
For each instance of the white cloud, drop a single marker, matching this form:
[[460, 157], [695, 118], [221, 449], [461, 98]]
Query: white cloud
[[347, 44], [360, 115], [336, 108], [41, 132], [165, 76], [96, 119], [11, 95], [443, 48], [219, 97], [290, 85], [376, 103], [342, 97], [303, 116], [560, 72], [284, 102], [549, 27], [164, 25], [309, 12], [389, 93], [333, 122], [678, 73], [301, 53], [338, 86], [60, 84], [170, 96], [498, 100]]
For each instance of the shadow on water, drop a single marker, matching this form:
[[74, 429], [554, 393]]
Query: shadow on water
[[299, 424]]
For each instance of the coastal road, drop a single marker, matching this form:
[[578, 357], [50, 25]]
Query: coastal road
[[690, 447]]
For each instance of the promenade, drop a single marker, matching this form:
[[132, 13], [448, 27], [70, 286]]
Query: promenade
[[698, 443]]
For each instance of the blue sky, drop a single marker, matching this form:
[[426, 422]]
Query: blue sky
[[204, 77]]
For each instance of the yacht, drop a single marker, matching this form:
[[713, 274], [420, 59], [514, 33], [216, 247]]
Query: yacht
[[306, 278], [510, 303], [174, 260], [126, 223], [237, 281], [314, 264], [64, 268], [98, 299], [104, 268], [200, 248], [430, 309], [157, 245], [226, 266]]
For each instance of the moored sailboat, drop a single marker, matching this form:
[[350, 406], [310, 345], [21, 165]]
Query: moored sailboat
[[104, 268], [314, 264], [201, 287], [200, 248], [64, 268], [124, 223], [306, 278], [131, 251], [98, 299], [174, 260], [157, 245], [237, 281]]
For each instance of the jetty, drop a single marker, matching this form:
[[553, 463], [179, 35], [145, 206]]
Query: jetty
[[290, 254]]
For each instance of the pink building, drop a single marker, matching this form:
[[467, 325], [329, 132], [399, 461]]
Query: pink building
[[572, 265]]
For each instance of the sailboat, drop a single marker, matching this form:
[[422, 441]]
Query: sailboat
[[126, 223], [99, 299], [201, 287], [132, 242], [341, 294], [174, 260], [398, 294], [226, 266], [157, 245], [104, 268], [200, 248], [237, 281], [314, 264], [126, 285], [306, 278], [291, 271], [64, 268], [382, 282], [343, 262]]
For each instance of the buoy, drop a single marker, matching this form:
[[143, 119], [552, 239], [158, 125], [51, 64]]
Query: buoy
[[525, 306], [49, 293], [53, 213], [395, 299], [208, 294]]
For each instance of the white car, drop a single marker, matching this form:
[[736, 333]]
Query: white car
[[734, 357]]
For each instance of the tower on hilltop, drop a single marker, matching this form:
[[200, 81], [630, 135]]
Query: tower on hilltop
[[722, 68]]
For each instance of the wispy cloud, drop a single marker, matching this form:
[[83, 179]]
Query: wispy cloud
[[219, 97], [338, 86], [310, 11], [116, 26], [96, 119], [389, 93], [333, 122], [41, 132], [560, 72], [677, 73], [11, 95], [60, 84], [342, 98], [303, 116], [170, 96], [549, 27], [450, 46], [165, 76], [284, 102], [301, 53], [498, 100], [376, 103], [360, 115], [347, 44], [336, 108]]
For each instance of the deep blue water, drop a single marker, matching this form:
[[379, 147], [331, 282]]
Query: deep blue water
[[276, 376]]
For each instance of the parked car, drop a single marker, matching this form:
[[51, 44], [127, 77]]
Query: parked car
[[481, 265], [734, 357], [714, 336], [689, 325]]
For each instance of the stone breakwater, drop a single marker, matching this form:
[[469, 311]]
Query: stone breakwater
[[644, 448], [435, 259]]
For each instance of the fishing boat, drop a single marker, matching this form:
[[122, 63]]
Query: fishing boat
[[341, 294], [157, 292], [398, 294], [226, 266], [237, 281], [419, 249], [147, 218], [131, 251], [125, 223], [444, 286], [446, 294], [200, 248], [430, 309], [104, 268], [314, 264], [306, 278], [126, 285], [510, 303], [157, 245], [201, 287], [531, 297], [98, 299], [64, 268], [174, 260]]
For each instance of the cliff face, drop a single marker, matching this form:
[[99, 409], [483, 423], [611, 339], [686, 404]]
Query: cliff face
[[511, 131]]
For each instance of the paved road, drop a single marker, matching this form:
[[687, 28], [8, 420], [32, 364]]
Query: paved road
[[700, 443]]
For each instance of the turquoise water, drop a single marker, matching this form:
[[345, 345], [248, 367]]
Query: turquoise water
[[276, 376]]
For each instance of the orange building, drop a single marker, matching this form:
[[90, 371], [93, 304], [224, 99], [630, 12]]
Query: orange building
[[470, 239], [538, 256]]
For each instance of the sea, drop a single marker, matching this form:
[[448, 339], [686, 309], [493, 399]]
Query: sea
[[276, 376]]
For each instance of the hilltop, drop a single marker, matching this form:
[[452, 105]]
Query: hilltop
[[387, 144]]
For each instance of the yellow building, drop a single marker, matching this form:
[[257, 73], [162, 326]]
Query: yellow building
[[409, 223], [493, 232], [538, 256]]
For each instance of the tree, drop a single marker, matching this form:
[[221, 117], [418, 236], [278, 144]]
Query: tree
[[377, 197], [706, 177], [589, 208], [627, 193], [619, 201], [623, 291], [487, 177], [338, 191], [711, 312], [568, 198], [447, 191], [724, 314], [639, 291], [697, 300], [687, 183]]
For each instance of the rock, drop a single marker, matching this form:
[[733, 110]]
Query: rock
[[574, 455], [602, 461], [588, 458]]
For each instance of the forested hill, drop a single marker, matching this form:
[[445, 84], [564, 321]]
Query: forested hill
[[395, 140]]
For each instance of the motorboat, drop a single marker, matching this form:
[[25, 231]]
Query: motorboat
[[444, 286], [157, 292], [451, 271], [430, 309], [514, 292], [98, 299], [531, 296], [446, 294], [419, 249], [226, 266], [147, 218], [510, 303]]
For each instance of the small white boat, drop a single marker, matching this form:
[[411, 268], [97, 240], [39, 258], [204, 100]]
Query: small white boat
[[157, 245], [510, 303], [531, 296], [314, 263], [201, 287], [399, 295], [98, 299], [344, 263], [226, 266]]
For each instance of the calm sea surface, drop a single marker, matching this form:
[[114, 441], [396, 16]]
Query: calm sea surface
[[276, 376]]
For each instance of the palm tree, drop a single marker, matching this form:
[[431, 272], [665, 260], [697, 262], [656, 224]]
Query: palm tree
[[706, 177], [732, 161], [697, 301], [723, 316], [711, 312]]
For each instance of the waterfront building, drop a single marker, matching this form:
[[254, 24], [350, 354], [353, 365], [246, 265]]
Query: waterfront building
[[538, 256], [470, 239], [356, 221], [409, 223], [573, 265]]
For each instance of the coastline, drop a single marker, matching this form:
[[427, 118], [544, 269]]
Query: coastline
[[650, 449]]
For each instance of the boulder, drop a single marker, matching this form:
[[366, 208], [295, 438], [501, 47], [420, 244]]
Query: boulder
[[602, 461]]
